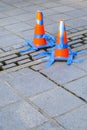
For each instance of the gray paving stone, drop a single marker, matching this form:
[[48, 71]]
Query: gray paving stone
[[25, 86], [9, 40], [24, 17], [2, 15], [76, 13], [39, 66], [20, 116], [48, 126], [77, 37], [8, 21], [61, 72], [83, 65], [28, 34], [16, 59], [63, 9], [56, 102], [75, 41], [23, 61], [18, 27], [5, 7], [7, 96], [52, 28], [1, 64], [3, 31], [75, 120], [8, 66], [8, 57], [76, 24], [14, 12], [34, 7], [22, 4], [1, 51], [79, 87], [77, 45]]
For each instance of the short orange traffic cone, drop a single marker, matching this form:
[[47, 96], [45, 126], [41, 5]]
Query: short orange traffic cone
[[62, 50], [40, 40]]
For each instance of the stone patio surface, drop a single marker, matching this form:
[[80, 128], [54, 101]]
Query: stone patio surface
[[37, 97]]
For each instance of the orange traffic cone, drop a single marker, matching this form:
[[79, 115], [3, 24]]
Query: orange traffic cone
[[40, 40], [39, 31], [62, 50]]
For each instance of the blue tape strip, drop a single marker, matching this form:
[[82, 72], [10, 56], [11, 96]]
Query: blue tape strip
[[51, 60], [62, 46], [38, 36]]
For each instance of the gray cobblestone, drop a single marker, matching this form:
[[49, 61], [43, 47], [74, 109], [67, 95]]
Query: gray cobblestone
[[16, 59], [75, 41], [8, 66], [77, 37], [23, 61], [8, 57]]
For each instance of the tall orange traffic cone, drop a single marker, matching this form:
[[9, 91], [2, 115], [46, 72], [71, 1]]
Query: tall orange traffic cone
[[62, 50], [40, 40], [39, 31]]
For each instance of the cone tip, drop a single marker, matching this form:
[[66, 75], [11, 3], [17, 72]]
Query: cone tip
[[38, 11]]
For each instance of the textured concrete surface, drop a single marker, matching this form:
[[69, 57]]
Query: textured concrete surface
[[40, 98]]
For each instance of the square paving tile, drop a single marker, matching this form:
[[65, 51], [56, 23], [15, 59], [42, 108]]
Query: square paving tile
[[83, 65], [7, 95], [30, 83], [56, 102], [75, 120], [18, 27], [9, 40], [61, 72], [20, 116], [79, 87], [48, 126]]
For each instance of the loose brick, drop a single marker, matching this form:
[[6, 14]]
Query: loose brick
[[8, 66], [75, 41], [8, 57], [23, 61], [85, 38], [1, 64], [77, 37], [16, 59]]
